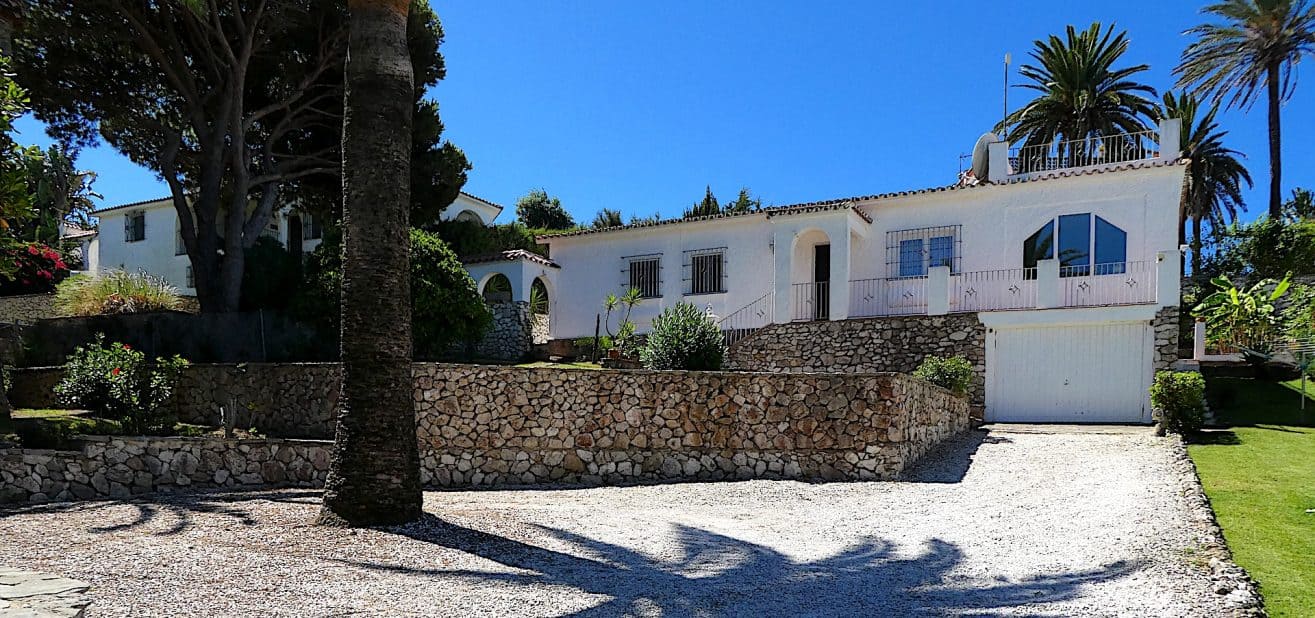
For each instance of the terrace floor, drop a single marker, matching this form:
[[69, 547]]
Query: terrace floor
[[1014, 521]]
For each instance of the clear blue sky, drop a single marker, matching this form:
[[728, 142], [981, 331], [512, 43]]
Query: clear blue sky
[[637, 106]]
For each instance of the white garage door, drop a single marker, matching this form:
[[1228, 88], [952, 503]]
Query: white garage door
[[1069, 374]]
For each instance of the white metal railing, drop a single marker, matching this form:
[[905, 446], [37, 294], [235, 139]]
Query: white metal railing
[[993, 290], [748, 319], [892, 296], [810, 301], [1103, 150], [1114, 283]]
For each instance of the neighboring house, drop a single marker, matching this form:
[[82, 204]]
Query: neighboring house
[[151, 239], [1067, 268]]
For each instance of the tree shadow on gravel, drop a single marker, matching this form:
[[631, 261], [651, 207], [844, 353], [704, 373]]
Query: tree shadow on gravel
[[715, 574], [179, 508]]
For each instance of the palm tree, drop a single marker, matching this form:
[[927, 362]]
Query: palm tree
[[1215, 174], [607, 218], [1258, 42], [374, 471], [1082, 95]]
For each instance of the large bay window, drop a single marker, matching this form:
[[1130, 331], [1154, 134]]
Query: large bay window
[[1086, 244]]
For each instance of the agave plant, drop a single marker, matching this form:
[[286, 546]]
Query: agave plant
[[1243, 318]]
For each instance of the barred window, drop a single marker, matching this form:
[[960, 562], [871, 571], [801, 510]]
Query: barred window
[[910, 253], [646, 276], [180, 247], [311, 228], [705, 271], [134, 226], [191, 277]]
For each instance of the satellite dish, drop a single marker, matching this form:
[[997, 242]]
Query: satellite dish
[[982, 155]]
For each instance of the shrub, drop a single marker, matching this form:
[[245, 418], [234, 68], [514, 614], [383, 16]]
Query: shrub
[[954, 373], [115, 291], [115, 382], [683, 337], [1178, 398], [445, 305], [33, 269]]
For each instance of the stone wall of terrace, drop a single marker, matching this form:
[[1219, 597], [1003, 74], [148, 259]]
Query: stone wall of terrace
[[891, 344], [481, 425], [120, 467]]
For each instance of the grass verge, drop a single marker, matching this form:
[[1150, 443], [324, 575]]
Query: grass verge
[[1260, 476]]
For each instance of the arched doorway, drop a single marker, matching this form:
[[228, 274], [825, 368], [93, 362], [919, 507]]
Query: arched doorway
[[497, 289], [540, 305], [810, 276]]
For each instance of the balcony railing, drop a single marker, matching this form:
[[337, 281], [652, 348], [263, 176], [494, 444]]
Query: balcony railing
[[1118, 283], [811, 301], [894, 296], [1105, 150], [993, 290], [747, 319]]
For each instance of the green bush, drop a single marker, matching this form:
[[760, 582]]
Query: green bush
[[115, 382], [114, 292], [954, 373], [683, 338], [445, 305], [1178, 398]]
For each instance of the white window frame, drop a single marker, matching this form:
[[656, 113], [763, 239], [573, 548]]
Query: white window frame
[[895, 240], [697, 285]]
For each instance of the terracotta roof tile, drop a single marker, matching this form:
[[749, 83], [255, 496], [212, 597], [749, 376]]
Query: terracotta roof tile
[[510, 255]]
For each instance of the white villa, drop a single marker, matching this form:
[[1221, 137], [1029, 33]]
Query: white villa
[[152, 240], [1070, 262], [1062, 261]]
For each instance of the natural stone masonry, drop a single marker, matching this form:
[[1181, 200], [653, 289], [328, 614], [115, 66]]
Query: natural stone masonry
[[897, 344], [119, 467], [492, 425], [28, 593], [511, 334], [28, 308], [483, 425], [1166, 330]]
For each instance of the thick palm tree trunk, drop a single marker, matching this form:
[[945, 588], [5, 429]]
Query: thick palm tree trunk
[[1275, 151], [374, 474]]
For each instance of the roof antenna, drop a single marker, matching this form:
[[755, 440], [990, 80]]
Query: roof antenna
[[1004, 122]]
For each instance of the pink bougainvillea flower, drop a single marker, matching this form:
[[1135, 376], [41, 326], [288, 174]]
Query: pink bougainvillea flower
[[115, 371], [127, 347], [44, 274], [60, 265], [32, 250]]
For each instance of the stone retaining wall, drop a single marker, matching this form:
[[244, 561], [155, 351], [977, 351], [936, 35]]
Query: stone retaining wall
[[511, 334], [28, 308], [493, 425], [119, 467], [895, 344], [481, 425], [1166, 330]]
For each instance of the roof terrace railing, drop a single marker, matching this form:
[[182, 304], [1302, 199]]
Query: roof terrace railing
[[1091, 151]]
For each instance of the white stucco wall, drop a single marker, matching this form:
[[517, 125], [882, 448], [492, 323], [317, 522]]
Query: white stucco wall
[[155, 254], [765, 254]]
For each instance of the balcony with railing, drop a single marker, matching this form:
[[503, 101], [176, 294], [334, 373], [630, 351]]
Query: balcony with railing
[[1006, 162], [1047, 286]]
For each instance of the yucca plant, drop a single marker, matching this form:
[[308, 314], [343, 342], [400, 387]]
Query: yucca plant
[[114, 292]]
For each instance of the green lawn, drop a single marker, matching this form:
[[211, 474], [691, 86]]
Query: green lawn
[[1260, 476]]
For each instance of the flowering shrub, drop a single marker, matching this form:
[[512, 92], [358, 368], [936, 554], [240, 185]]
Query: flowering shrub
[[115, 382], [34, 269]]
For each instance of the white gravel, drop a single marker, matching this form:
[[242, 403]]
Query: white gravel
[[1043, 522]]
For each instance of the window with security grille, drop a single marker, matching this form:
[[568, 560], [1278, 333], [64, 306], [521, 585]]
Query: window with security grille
[[646, 276], [134, 226], [911, 253], [706, 273], [311, 228]]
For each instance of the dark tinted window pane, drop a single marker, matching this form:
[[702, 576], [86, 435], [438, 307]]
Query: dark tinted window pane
[[1111, 248], [1039, 246], [910, 258], [941, 251], [1075, 240]]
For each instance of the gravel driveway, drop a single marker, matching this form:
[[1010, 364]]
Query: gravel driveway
[[1043, 522]]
